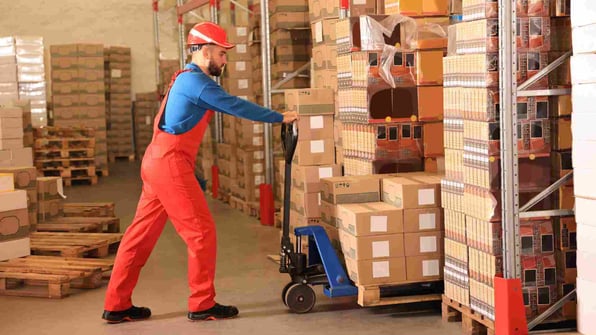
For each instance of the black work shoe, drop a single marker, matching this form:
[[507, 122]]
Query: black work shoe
[[132, 314], [214, 313]]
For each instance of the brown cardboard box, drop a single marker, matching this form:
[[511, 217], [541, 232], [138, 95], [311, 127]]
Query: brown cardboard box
[[326, 78], [562, 137], [14, 224], [49, 209], [433, 139], [315, 152], [371, 247], [306, 204], [287, 20], [238, 69], [365, 7], [321, 9], [324, 56], [288, 6], [48, 188], [566, 197], [413, 192], [566, 265], [376, 272], [237, 34], [329, 214], [374, 218], [560, 106], [422, 220], [239, 52], [317, 101], [323, 31], [291, 37], [429, 67], [425, 243], [316, 127], [423, 268], [240, 87], [298, 220], [565, 233], [308, 178], [351, 189], [430, 103], [24, 177]]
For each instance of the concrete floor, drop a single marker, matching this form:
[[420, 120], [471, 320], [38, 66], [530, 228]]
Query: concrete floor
[[245, 277]]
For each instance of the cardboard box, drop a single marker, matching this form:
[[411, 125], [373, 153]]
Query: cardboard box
[[424, 268], [583, 13], [315, 152], [415, 8], [371, 247], [14, 224], [329, 214], [424, 243], [423, 220], [586, 307], [49, 188], [351, 189], [567, 265], [306, 204], [582, 69], [15, 249], [6, 182], [412, 192], [288, 6], [539, 270], [366, 219], [433, 142], [24, 177], [287, 20], [13, 200], [324, 32], [49, 209], [308, 178], [562, 138], [315, 127], [322, 9], [376, 272], [239, 53], [430, 103], [238, 69]]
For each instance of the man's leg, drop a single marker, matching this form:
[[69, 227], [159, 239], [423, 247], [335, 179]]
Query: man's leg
[[135, 248]]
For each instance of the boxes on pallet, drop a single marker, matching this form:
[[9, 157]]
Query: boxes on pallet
[[25, 178], [14, 218], [414, 8], [11, 128], [351, 189], [50, 200], [412, 192]]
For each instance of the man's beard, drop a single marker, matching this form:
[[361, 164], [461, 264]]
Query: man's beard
[[213, 69]]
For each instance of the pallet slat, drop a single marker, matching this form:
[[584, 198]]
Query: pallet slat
[[473, 323]]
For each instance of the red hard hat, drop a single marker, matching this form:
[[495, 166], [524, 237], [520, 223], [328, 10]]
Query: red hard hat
[[208, 33]]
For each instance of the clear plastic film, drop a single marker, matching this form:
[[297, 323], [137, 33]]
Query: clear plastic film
[[395, 35]]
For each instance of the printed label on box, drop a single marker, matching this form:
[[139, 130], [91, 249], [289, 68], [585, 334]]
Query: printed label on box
[[147, 120], [319, 32], [116, 73], [430, 268], [316, 122], [317, 147], [259, 155], [380, 249], [428, 244], [359, 2], [257, 141], [319, 198], [378, 223], [241, 31], [259, 180], [257, 168], [380, 269], [242, 84], [426, 196], [241, 48], [240, 66], [325, 172], [427, 221]]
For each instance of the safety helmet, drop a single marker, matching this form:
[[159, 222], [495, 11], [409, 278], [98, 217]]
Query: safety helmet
[[208, 33]]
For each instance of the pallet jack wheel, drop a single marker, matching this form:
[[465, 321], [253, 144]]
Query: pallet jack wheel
[[284, 291], [300, 298]]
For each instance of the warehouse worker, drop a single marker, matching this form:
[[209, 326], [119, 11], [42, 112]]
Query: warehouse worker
[[170, 189]]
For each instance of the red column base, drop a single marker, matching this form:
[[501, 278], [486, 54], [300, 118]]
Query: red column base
[[215, 183], [510, 313], [267, 205]]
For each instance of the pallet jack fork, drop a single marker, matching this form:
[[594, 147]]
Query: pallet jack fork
[[320, 266]]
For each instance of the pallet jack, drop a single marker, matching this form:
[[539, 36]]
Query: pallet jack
[[321, 265]]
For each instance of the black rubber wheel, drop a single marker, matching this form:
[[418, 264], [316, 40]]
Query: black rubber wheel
[[300, 298], [284, 291]]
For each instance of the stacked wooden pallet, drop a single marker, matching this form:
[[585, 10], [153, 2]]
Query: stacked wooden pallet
[[66, 152]]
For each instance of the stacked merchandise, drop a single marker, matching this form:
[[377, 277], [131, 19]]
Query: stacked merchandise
[[384, 92], [14, 220], [120, 135], [78, 92], [206, 158], [583, 63], [167, 68], [25, 178], [314, 157], [237, 78], [50, 198], [146, 107], [472, 187], [13, 151], [9, 87], [226, 162], [31, 76], [249, 158], [66, 152]]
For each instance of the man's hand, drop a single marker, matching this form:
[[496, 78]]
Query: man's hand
[[290, 117]]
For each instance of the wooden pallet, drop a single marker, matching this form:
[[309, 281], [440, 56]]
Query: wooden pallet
[[63, 163], [70, 172], [103, 172], [113, 157], [89, 209], [74, 244], [44, 154], [81, 225], [51, 277], [64, 132], [92, 180], [57, 143], [371, 295], [473, 323]]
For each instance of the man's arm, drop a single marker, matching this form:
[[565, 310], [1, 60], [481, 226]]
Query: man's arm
[[215, 98]]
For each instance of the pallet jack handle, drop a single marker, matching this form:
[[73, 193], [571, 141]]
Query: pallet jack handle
[[289, 138]]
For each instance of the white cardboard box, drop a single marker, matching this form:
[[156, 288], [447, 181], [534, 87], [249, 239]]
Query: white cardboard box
[[584, 184], [583, 98], [583, 39], [586, 306], [15, 249], [585, 265], [585, 210], [583, 12], [586, 238], [582, 126], [6, 182], [13, 200], [583, 68]]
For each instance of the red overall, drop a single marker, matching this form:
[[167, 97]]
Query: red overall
[[170, 190]]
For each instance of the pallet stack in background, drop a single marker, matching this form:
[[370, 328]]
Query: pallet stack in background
[[146, 106], [583, 65], [15, 150], [78, 93], [472, 186], [314, 158], [119, 103], [380, 105], [31, 76]]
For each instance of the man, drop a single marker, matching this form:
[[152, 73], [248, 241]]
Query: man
[[170, 188]]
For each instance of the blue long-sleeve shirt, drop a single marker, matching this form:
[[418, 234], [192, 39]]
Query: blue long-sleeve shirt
[[193, 93]]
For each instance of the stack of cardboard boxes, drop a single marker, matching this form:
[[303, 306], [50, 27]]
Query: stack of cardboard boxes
[[25, 178], [206, 158], [14, 220], [583, 63], [50, 200], [472, 187], [9, 87], [120, 139], [78, 92], [167, 68], [314, 158], [146, 106], [31, 76], [249, 158], [13, 151]]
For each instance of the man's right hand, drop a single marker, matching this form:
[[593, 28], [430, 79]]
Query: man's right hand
[[290, 117]]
